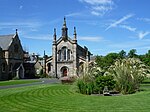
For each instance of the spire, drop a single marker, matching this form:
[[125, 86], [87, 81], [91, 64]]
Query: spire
[[64, 24], [44, 53], [75, 34], [16, 31], [54, 34], [64, 30]]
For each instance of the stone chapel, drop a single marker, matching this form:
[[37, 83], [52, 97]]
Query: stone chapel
[[67, 55], [11, 57]]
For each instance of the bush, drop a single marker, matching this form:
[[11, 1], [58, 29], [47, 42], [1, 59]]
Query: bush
[[85, 87], [68, 80], [128, 73], [102, 81]]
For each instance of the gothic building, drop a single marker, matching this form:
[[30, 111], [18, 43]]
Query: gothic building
[[67, 55], [11, 57]]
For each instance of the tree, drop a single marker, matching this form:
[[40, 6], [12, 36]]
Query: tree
[[122, 54], [148, 52], [106, 61], [132, 53], [145, 58]]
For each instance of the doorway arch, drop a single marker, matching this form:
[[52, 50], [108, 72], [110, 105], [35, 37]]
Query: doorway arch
[[64, 71]]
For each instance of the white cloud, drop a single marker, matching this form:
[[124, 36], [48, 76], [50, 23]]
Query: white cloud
[[73, 14], [38, 37], [142, 34], [95, 2], [95, 13], [119, 21], [91, 39], [144, 19], [48, 37], [99, 7], [128, 28], [24, 24], [20, 7], [102, 8]]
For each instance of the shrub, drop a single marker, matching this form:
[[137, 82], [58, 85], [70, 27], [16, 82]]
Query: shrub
[[128, 73], [68, 80], [85, 87], [92, 80], [102, 81]]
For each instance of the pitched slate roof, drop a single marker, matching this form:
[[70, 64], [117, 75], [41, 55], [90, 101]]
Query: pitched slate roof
[[5, 41]]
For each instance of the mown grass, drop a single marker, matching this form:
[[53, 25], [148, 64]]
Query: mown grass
[[14, 82], [60, 98], [146, 81]]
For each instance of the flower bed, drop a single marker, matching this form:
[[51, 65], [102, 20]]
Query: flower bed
[[67, 80]]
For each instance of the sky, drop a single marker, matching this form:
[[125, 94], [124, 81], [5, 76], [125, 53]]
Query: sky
[[103, 26]]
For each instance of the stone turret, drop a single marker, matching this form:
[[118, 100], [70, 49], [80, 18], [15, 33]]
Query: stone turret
[[75, 35], [64, 30], [54, 49]]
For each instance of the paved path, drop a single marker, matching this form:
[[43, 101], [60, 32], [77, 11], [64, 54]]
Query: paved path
[[43, 81]]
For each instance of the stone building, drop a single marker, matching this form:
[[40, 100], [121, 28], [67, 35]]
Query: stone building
[[67, 55], [11, 57]]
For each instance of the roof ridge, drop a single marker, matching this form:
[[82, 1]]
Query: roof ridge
[[7, 35]]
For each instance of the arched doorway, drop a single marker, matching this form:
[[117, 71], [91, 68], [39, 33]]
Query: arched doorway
[[64, 71]]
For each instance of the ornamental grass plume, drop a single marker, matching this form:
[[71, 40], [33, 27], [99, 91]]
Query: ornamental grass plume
[[128, 73]]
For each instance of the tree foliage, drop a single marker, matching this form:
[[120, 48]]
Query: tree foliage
[[105, 61], [132, 53], [145, 58]]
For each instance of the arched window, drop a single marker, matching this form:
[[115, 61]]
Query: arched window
[[68, 54], [64, 54], [59, 55]]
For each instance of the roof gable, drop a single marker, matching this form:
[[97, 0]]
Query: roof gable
[[5, 41], [68, 39]]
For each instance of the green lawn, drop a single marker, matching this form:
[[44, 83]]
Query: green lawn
[[146, 81], [14, 82], [60, 98]]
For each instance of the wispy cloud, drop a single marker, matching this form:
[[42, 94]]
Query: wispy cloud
[[99, 7], [20, 7], [48, 37], [144, 19], [74, 14], [95, 2], [25, 24], [119, 21], [91, 39], [38, 37], [129, 44], [128, 28], [142, 34]]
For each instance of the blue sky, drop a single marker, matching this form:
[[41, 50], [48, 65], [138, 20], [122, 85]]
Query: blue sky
[[103, 26]]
